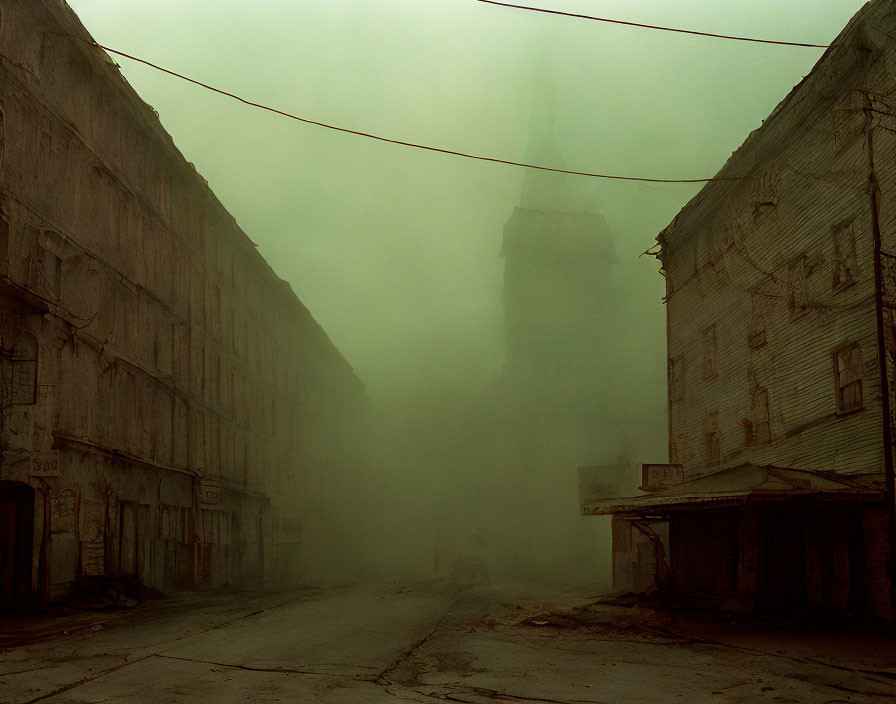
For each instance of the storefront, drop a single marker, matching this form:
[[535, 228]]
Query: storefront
[[754, 538]]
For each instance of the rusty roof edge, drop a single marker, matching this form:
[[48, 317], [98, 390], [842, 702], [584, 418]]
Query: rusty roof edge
[[739, 156], [655, 502], [145, 114], [674, 494]]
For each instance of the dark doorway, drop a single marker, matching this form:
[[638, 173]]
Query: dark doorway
[[705, 552], [16, 540], [780, 556], [811, 556]]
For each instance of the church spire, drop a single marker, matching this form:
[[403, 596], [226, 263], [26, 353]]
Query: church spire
[[544, 190]]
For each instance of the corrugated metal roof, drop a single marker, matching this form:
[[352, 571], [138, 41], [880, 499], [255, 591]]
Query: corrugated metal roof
[[738, 485]]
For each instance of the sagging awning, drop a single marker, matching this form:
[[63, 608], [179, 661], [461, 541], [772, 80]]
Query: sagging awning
[[739, 485]]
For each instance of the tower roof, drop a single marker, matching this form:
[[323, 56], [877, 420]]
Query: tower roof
[[545, 190]]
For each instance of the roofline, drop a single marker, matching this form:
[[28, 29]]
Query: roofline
[[838, 54], [686, 503], [146, 116]]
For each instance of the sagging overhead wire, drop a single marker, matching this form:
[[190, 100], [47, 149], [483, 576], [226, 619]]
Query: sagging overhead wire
[[400, 142], [650, 26]]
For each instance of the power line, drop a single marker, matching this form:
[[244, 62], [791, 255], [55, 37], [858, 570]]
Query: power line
[[650, 26], [403, 143]]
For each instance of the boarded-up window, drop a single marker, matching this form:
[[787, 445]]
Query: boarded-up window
[[676, 378], [20, 371], [181, 429], [44, 267], [715, 243], [198, 449], [844, 255], [765, 196], [710, 362], [713, 437], [757, 320], [848, 378], [680, 450], [216, 311], [181, 354], [731, 223], [762, 426], [197, 301], [124, 399], [798, 298]]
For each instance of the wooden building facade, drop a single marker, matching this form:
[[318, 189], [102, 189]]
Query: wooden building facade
[[166, 398], [781, 313]]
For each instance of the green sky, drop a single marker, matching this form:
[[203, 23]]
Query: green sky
[[395, 251]]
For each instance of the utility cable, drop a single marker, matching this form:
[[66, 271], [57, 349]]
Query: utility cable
[[399, 142], [650, 26]]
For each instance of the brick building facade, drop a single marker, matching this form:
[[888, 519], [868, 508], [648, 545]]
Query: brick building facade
[[781, 312], [167, 401]]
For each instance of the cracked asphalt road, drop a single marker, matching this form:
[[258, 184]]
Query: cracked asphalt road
[[366, 644]]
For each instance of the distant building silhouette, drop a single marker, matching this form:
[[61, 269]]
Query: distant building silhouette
[[559, 295]]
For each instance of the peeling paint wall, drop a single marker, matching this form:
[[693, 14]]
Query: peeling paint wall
[[163, 392], [774, 349], [770, 286]]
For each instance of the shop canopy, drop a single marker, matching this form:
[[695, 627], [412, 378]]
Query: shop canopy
[[737, 485]]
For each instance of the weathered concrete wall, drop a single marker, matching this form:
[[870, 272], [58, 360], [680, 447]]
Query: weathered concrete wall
[[164, 392]]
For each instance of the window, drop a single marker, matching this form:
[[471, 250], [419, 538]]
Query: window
[[757, 320], [765, 197], [198, 454], [180, 349], [798, 300], [45, 159], [234, 331], [715, 243], [848, 378], [19, 371], [713, 437], [680, 451], [731, 220], [676, 378], [844, 255], [44, 266], [710, 363], [762, 426], [216, 311]]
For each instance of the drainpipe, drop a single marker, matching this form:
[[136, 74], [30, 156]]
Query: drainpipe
[[890, 485]]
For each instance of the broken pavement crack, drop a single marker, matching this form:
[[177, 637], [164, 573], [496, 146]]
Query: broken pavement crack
[[454, 696], [226, 623], [381, 678], [249, 668], [85, 680], [22, 672]]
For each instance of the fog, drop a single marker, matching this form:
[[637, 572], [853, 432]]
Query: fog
[[397, 252]]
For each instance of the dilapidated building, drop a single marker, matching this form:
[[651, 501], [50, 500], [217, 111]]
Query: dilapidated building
[[167, 401], [781, 312], [562, 291]]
